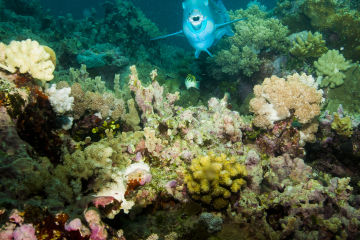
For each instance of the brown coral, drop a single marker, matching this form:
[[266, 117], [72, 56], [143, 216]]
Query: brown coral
[[106, 104], [277, 99]]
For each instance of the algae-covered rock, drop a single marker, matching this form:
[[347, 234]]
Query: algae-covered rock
[[330, 67]]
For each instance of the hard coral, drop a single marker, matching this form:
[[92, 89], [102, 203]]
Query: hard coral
[[330, 66], [342, 125], [150, 99], [212, 179], [28, 57], [241, 53], [308, 45], [278, 98]]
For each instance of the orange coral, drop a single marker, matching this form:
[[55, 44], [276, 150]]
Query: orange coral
[[132, 184]]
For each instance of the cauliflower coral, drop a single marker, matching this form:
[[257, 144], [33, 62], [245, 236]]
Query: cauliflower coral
[[278, 98], [28, 57]]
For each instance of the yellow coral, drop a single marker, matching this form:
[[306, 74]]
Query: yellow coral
[[278, 98], [342, 126], [28, 57], [212, 179]]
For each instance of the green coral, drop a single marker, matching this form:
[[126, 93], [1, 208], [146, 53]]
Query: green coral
[[212, 179], [308, 46], [336, 17], [348, 93], [330, 66], [81, 76], [342, 125], [257, 33]]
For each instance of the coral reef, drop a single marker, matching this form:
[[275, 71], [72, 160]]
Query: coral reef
[[212, 179], [108, 151], [336, 19], [330, 67], [242, 52]]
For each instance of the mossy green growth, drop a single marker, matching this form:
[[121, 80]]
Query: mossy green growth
[[348, 94], [330, 67], [308, 46], [212, 179], [342, 125]]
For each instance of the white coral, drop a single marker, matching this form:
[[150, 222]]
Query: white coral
[[28, 57], [60, 99]]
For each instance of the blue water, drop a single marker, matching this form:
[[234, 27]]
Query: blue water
[[166, 14]]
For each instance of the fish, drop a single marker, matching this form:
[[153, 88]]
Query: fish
[[205, 22], [191, 82]]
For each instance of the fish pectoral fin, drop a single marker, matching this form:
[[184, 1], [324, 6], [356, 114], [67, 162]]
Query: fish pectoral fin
[[227, 23], [209, 53], [168, 35], [197, 53]]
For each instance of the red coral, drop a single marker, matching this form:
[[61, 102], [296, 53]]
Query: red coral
[[283, 138]]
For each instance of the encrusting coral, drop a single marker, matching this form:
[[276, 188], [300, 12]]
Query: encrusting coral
[[212, 179], [28, 57], [330, 67]]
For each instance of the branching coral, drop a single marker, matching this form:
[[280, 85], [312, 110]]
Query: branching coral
[[150, 99], [308, 45], [28, 57], [212, 179], [107, 105], [257, 33], [330, 66], [81, 76], [277, 99]]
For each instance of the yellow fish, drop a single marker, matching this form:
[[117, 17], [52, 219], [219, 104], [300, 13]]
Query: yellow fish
[[190, 82]]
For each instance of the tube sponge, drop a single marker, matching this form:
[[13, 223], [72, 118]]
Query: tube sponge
[[28, 57]]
